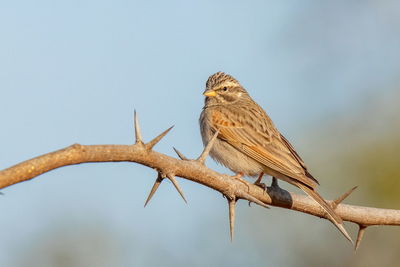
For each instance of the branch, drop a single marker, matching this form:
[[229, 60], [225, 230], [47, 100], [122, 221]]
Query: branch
[[193, 170]]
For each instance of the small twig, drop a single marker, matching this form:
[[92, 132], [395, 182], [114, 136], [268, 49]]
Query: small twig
[[197, 172]]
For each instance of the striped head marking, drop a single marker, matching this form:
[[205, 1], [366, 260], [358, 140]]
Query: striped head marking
[[222, 88]]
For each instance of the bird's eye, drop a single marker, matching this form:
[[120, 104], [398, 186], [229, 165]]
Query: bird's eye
[[225, 89]]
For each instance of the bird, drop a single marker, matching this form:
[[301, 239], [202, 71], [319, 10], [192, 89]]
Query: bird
[[249, 144]]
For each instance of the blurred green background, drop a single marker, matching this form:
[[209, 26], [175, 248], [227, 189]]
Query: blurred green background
[[326, 72]]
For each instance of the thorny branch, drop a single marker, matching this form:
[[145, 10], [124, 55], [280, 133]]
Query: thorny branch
[[168, 168]]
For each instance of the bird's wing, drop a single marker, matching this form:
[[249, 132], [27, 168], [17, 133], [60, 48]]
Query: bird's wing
[[298, 158], [265, 144], [265, 147]]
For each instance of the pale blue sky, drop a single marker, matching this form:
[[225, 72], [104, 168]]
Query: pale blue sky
[[74, 71]]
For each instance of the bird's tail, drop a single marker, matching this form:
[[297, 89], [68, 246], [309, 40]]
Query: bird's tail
[[334, 218]]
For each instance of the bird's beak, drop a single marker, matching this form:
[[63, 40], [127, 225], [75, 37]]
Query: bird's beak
[[210, 93]]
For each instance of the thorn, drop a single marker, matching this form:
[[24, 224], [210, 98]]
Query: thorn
[[154, 188], [343, 231], [207, 149], [339, 200], [250, 198], [360, 235], [175, 183], [138, 135], [157, 139], [231, 203], [180, 155]]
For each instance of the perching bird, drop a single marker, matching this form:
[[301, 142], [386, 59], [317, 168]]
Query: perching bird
[[248, 142]]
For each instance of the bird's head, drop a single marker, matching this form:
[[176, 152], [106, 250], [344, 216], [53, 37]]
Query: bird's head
[[222, 88]]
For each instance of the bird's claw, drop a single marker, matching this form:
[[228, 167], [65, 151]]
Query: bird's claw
[[262, 185]]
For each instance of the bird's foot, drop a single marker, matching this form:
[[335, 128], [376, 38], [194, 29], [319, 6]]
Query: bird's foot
[[258, 182], [238, 175], [262, 185]]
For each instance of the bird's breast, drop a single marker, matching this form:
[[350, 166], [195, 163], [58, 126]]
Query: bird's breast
[[224, 153]]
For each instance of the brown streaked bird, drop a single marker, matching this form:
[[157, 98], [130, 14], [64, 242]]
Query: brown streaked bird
[[248, 142]]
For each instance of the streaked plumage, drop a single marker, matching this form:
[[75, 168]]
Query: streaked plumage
[[249, 143]]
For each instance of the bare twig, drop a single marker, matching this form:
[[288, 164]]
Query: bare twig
[[196, 171], [191, 170]]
